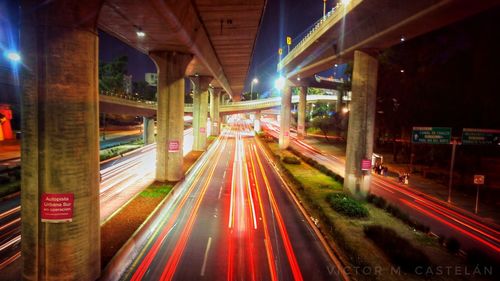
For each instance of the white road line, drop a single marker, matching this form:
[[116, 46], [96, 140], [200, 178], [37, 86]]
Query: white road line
[[220, 191], [206, 256]]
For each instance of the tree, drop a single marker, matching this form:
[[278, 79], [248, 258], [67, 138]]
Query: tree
[[144, 90], [111, 75], [325, 124]]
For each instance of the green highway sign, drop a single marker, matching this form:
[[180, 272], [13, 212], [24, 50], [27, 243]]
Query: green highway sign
[[480, 136], [431, 135]]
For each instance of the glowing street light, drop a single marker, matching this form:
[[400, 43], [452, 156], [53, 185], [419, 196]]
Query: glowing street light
[[254, 81], [279, 83], [13, 56], [346, 2], [140, 33]]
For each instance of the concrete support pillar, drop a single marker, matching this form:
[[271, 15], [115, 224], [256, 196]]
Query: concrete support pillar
[[339, 103], [171, 67], [361, 123], [285, 113], [60, 143], [301, 110], [200, 111], [214, 110], [148, 132], [256, 123]]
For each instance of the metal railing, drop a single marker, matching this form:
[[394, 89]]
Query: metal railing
[[237, 106]]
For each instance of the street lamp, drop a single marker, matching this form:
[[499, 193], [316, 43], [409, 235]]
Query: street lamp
[[13, 56], [279, 83], [254, 81]]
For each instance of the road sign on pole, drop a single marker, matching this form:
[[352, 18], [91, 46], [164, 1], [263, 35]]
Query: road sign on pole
[[480, 136], [431, 135], [366, 165], [478, 180]]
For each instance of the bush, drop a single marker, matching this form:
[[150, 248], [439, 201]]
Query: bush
[[379, 202], [452, 245], [441, 240], [396, 212], [291, 160], [399, 250], [346, 205]]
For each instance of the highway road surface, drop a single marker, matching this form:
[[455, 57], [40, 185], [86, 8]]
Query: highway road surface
[[232, 219]]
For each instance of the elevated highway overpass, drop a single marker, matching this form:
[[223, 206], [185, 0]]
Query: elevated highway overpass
[[358, 30], [118, 105]]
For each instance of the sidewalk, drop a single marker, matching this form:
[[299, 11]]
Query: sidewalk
[[488, 211]]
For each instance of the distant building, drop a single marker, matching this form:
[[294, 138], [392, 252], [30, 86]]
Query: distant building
[[127, 84], [151, 79]]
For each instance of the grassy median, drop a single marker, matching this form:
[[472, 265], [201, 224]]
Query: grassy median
[[419, 256]]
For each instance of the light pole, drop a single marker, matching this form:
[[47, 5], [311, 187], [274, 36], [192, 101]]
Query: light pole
[[254, 81], [324, 8]]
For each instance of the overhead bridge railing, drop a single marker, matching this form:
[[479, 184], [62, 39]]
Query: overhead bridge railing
[[240, 106]]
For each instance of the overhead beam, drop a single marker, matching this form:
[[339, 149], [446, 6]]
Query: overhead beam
[[182, 17]]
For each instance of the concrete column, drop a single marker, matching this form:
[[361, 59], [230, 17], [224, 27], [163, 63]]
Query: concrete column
[[339, 103], [301, 116], [60, 143], [200, 111], [285, 112], [256, 123], [171, 67], [148, 133], [361, 123], [214, 110]]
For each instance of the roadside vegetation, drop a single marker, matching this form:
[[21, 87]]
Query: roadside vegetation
[[118, 229], [374, 240], [121, 149]]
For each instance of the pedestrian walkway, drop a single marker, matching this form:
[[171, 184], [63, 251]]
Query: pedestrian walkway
[[461, 201]]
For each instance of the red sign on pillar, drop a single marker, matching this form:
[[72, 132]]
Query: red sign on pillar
[[202, 130], [285, 134], [173, 146], [57, 207], [366, 165]]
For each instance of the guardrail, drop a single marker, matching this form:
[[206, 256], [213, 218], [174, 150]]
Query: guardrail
[[234, 106]]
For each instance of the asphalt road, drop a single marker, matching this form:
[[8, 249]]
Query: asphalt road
[[232, 219], [442, 219]]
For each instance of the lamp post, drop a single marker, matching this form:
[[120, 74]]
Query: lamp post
[[254, 81], [324, 8]]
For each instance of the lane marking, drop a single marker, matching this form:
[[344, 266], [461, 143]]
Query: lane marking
[[220, 191], [206, 256]]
